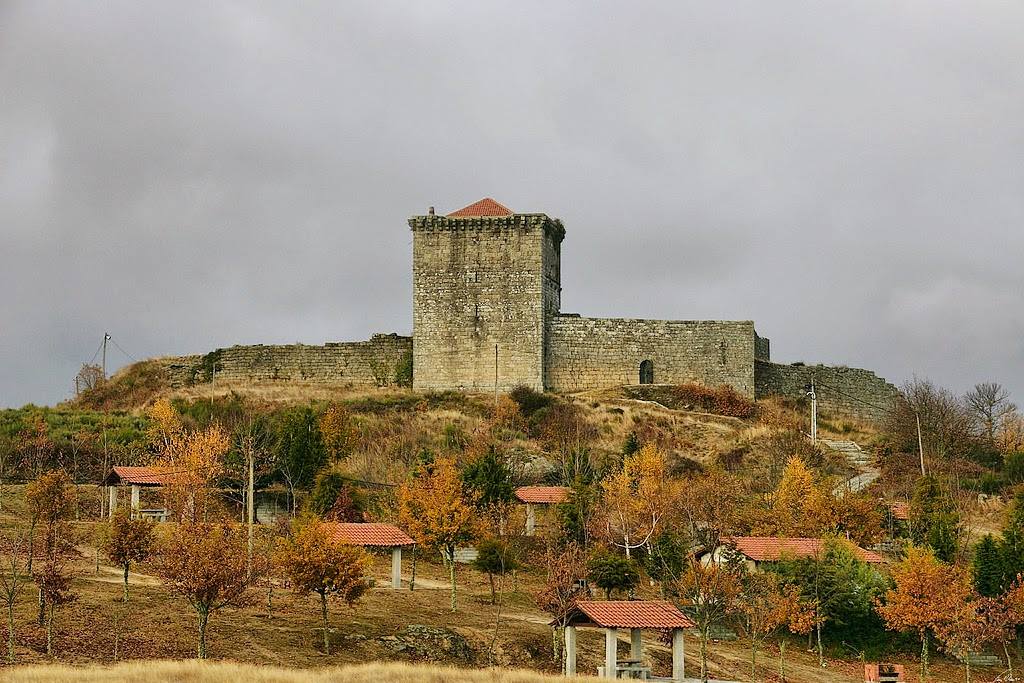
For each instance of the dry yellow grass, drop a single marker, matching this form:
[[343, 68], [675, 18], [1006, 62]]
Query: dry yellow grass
[[218, 672]]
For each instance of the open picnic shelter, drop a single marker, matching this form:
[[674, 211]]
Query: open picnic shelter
[[137, 478], [375, 535]]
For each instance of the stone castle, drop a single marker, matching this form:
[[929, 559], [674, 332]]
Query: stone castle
[[487, 315]]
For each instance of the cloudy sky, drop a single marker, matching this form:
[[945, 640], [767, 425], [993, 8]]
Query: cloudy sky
[[187, 176]]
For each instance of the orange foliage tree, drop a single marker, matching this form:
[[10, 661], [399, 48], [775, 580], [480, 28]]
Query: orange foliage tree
[[637, 498], [797, 506], [316, 563], [194, 460], [207, 565], [711, 592], [566, 572], [763, 606], [336, 431], [926, 597], [438, 513], [128, 541]]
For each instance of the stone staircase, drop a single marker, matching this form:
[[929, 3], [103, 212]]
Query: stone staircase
[[982, 659], [859, 459]]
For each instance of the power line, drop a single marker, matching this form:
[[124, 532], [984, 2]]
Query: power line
[[851, 396], [118, 346]]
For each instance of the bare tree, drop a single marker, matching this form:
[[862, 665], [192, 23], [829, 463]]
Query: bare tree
[[946, 424], [989, 404], [13, 575]]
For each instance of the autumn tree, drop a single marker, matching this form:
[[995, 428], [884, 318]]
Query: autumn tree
[[710, 502], [51, 503], [316, 563], [710, 592], [128, 541], [564, 584], [195, 460], [637, 499], [336, 431], [437, 513], [797, 506], [36, 445], [54, 581], [13, 575], [926, 593], [978, 622], [164, 425], [763, 606], [207, 565]]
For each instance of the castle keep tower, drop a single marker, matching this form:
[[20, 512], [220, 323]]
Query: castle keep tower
[[486, 284]]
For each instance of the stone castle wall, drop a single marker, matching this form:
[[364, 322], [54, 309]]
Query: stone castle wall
[[593, 353], [364, 363], [850, 391], [481, 284]]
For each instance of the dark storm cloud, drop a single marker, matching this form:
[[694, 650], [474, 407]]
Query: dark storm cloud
[[193, 175]]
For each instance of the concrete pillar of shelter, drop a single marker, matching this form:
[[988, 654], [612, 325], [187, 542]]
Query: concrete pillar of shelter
[[113, 501], [611, 657], [135, 500], [531, 519], [396, 567], [636, 645], [678, 656], [570, 650]]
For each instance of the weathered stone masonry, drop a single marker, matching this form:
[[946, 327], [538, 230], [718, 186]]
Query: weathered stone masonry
[[486, 312], [591, 353], [364, 363]]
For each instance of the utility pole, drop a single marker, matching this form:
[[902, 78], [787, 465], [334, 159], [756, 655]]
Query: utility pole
[[106, 337], [814, 411], [920, 442]]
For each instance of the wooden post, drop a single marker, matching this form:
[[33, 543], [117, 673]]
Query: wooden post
[[570, 650], [611, 657], [531, 519], [636, 644], [396, 567], [113, 501], [678, 656], [135, 500]]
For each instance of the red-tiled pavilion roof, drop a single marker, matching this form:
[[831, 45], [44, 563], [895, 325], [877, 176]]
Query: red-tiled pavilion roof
[[628, 614], [138, 476], [369, 534], [542, 494], [484, 207], [773, 549]]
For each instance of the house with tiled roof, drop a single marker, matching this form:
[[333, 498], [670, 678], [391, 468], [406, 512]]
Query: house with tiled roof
[[756, 551], [540, 499]]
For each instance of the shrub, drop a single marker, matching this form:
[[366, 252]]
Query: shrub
[[403, 370], [611, 572], [528, 400], [1014, 467], [722, 400]]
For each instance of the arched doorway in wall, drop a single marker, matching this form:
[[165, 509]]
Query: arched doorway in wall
[[646, 372]]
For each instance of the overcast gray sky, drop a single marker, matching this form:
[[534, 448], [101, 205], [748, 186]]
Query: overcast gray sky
[[193, 175]]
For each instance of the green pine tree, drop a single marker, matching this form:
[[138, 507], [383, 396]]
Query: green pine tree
[[987, 567]]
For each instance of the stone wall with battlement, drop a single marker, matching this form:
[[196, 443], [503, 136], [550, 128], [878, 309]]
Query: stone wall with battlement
[[483, 288], [594, 353], [363, 363], [848, 391]]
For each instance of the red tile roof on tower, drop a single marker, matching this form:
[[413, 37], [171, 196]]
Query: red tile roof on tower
[[542, 494], [138, 476], [484, 207], [628, 614], [369, 534], [773, 549]]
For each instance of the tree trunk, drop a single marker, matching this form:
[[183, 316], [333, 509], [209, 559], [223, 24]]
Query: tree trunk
[[49, 632], [327, 632], [494, 593], [451, 576], [204, 617], [753, 658], [924, 656], [821, 652], [42, 608], [270, 600], [782, 660], [10, 631], [704, 654], [125, 583], [1009, 661]]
